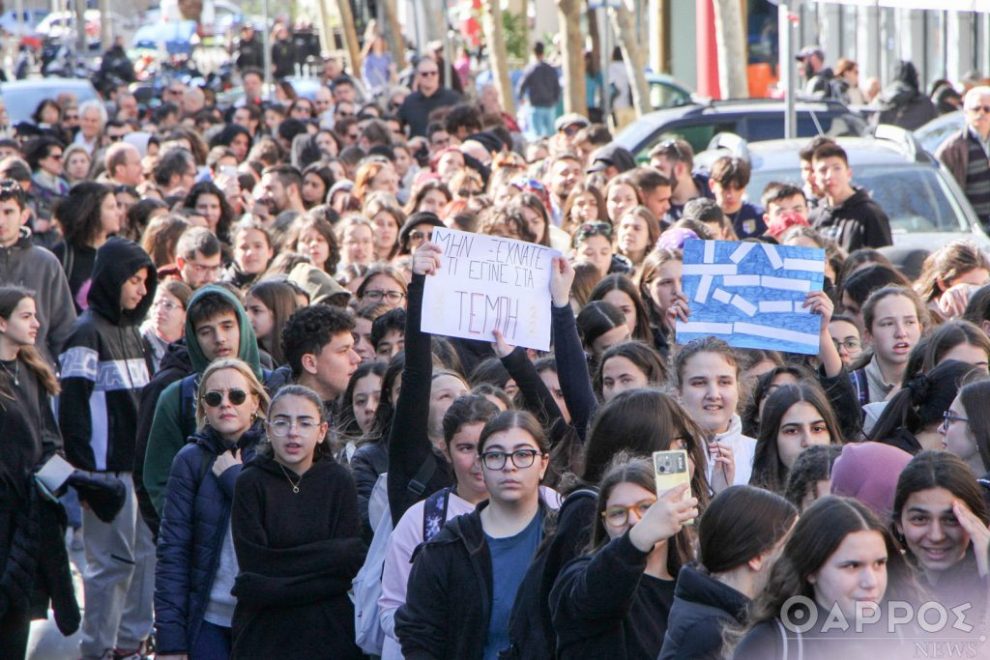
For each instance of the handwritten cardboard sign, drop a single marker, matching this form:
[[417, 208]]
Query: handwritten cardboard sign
[[486, 282], [752, 294]]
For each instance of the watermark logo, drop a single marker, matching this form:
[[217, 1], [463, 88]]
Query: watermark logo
[[800, 614]]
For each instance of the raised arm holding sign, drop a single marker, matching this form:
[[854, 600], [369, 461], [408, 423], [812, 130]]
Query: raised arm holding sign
[[479, 283]]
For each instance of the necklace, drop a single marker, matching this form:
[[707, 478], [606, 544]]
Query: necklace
[[295, 486], [15, 373]]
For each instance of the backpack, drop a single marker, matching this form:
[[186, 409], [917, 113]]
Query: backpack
[[366, 588]]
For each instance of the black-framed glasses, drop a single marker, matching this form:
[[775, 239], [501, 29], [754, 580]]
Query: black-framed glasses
[[848, 344], [618, 516], [594, 229], [521, 458], [949, 418], [214, 398], [375, 295], [418, 236], [977, 108]]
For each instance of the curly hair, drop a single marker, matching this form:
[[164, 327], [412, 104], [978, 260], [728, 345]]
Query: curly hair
[[310, 329]]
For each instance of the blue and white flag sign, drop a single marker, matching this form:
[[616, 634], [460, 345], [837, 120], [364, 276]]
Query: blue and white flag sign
[[751, 294]]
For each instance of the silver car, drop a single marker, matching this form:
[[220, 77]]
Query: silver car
[[925, 205]]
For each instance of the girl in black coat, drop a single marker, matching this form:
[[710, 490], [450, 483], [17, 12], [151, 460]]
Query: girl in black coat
[[739, 537], [614, 601], [34, 565], [196, 562], [464, 581], [298, 540]]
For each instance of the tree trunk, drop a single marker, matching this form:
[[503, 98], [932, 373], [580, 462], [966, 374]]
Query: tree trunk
[[106, 26], [572, 55], [624, 24], [393, 31], [730, 40], [491, 23], [82, 43], [350, 35]]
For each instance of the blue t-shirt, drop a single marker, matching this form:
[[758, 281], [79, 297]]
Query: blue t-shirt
[[748, 221], [510, 559]]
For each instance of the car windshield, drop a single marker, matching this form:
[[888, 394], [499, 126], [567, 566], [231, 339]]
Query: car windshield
[[915, 197], [22, 102]]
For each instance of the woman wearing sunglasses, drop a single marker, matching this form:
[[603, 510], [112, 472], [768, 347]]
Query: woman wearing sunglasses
[[464, 580], [196, 561]]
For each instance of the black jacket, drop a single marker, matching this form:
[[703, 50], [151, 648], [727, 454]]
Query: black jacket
[[856, 223], [702, 608], [297, 554], [416, 109], [369, 461], [193, 529], [449, 600], [409, 445], [105, 365], [34, 565], [604, 606], [175, 366]]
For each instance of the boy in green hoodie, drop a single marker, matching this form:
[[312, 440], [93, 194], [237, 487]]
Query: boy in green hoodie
[[216, 327]]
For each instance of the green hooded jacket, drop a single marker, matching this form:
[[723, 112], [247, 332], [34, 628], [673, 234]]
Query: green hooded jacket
[[175, 414]]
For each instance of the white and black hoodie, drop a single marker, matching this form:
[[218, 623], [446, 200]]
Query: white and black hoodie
[[105, 364]]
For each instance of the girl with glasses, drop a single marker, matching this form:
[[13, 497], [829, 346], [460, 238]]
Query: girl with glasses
[[297, 536], [615, 600], [196, 560], [383, 284], [965, 429], [167, 321], [464, 581]]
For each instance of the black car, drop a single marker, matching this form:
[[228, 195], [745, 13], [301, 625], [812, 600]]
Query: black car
[[752, 119]]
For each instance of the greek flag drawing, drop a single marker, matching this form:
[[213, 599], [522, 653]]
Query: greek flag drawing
[[751, 294]]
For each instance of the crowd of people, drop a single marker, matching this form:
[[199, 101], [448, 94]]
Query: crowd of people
[[212, 316]]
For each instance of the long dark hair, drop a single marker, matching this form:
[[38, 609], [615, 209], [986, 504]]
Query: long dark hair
[[348, 425], [10, 298], [768, 470], [280, 299], [740, 523], [644, 356], [619, 282], [938, 469], [79, 212], [597, 318], [819, 532], [643, 421], [226, 211], [625, 468], [922, 400], [381, 424]]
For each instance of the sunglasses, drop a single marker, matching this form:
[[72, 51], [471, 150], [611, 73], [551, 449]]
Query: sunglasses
[[671, 148], [214, 398], [420, 235], [978, 108]]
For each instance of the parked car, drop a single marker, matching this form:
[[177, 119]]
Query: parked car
[[23, 96], [925, 205], [935, 132], [667, 92], [752, 119]]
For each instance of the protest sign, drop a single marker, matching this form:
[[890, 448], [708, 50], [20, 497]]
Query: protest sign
[[486, 282], [751, 294]]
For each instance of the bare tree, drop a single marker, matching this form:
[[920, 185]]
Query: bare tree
[[730, 41], [572, 55], [624, 23], [491, 22], [393, 30], [350, 34]]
